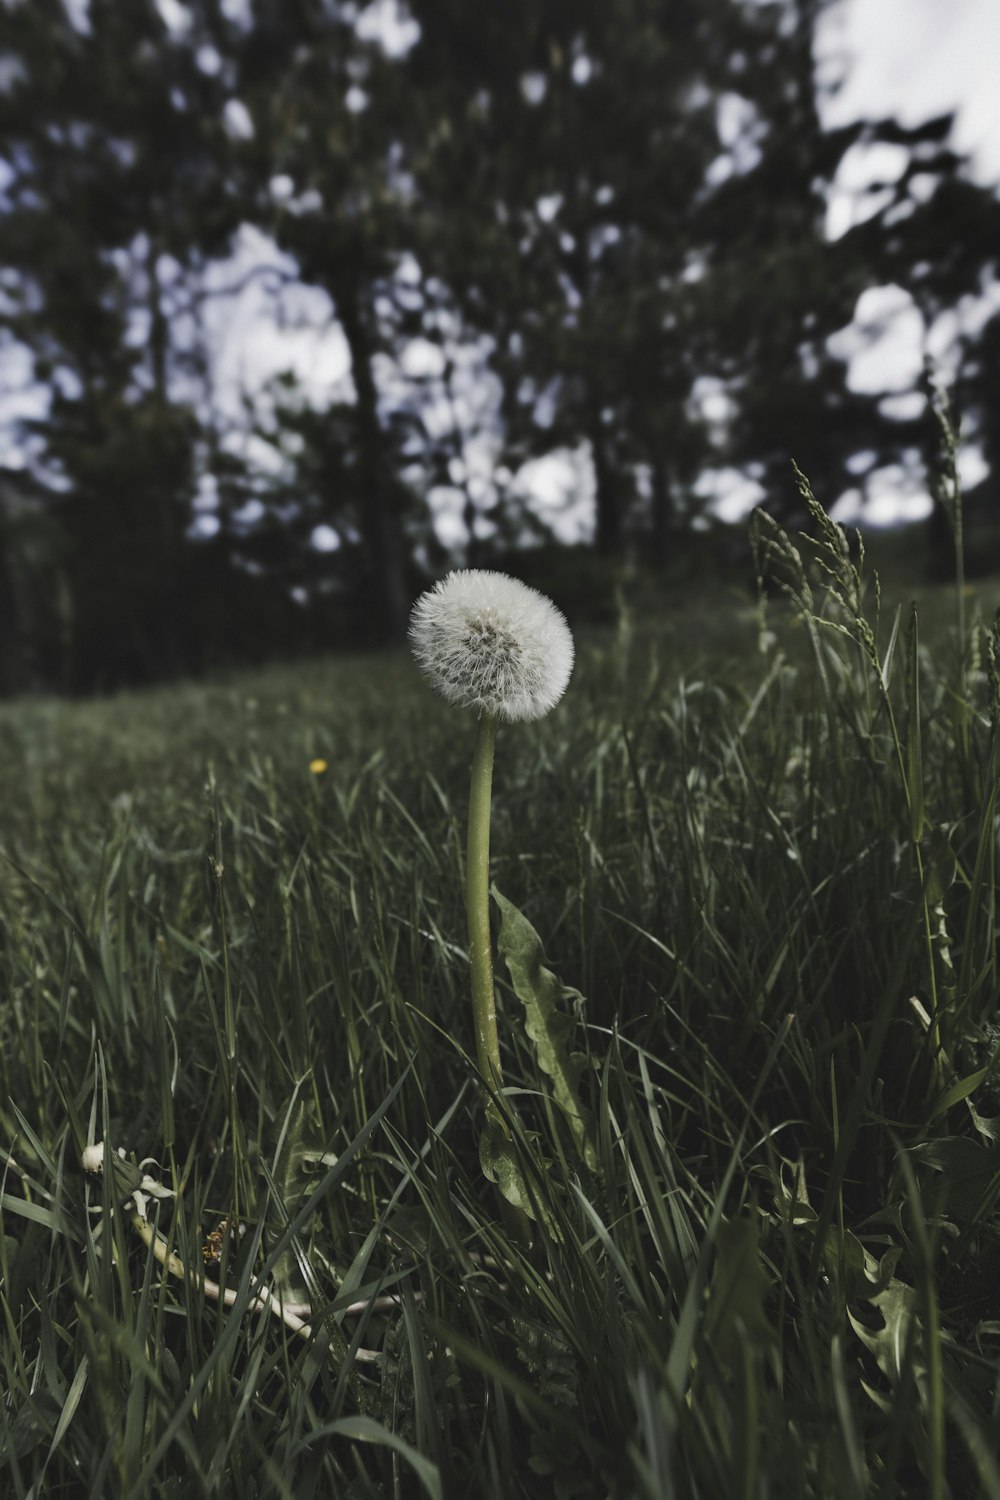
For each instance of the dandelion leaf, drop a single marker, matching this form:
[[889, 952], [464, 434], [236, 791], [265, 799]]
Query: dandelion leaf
[[548, 1026], [501, 1166], [889, 1344], [555, 1454], [547, 1353]]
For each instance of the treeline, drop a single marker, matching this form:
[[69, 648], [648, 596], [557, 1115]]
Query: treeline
[[609, 217]]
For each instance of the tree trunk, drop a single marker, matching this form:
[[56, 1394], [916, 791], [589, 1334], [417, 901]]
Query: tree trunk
[[608, 532], [163, 619], [380, 519], [662, 516], [158, 331], [10, 632]]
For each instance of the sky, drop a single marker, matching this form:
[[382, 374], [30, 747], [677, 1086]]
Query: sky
[[917, 58], [904, 58]]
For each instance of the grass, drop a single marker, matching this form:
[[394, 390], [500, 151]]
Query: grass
[[760, 851]]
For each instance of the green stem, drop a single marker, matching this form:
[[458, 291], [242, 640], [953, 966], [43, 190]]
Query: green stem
[[477, 902]]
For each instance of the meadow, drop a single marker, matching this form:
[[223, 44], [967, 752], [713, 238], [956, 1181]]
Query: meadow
[[757, 844]]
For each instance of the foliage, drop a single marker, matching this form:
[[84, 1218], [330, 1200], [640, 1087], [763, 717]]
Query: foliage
[[101, 229]]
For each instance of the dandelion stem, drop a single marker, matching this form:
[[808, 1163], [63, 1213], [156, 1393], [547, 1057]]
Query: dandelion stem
[[477, 900], [261, 1299]]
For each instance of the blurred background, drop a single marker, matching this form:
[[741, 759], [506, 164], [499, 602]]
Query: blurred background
[[303, 302]]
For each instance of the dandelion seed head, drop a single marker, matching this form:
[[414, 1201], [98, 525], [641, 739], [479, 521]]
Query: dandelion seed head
[[93, 1158], [490, 643]]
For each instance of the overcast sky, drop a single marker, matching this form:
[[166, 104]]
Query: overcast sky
[[915, 58]]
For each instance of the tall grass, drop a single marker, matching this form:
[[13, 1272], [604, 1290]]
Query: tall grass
[[764, 867]]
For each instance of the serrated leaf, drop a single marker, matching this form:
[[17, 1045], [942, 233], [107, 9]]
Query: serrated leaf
[[792, 1202], [896, 1303], [547, 1354], [989, 1126], [548, 1027], [500, 1166]]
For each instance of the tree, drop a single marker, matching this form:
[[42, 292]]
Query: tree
[[115, 143], [571, 143], [330, 127], [640, 195]]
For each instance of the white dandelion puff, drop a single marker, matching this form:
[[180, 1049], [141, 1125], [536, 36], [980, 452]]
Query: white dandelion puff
[[490, 643], [93, 1158]]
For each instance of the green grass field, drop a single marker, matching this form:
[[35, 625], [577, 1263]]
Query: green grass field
[[760, 853]]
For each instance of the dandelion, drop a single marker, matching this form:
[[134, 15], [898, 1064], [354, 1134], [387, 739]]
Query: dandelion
[[318, 766], [131, 1181], [491, 644], [93, 1158]]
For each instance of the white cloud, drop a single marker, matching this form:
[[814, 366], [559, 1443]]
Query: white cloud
[[388, 23], [972, 466], [447, 504], [324, 539], [176, 17], [422, 360], [236, 120], [561, 488], [860, 190], [904, 408], [913, 59], [266, 330], [889, 496], [884, 344], [730, 494]]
